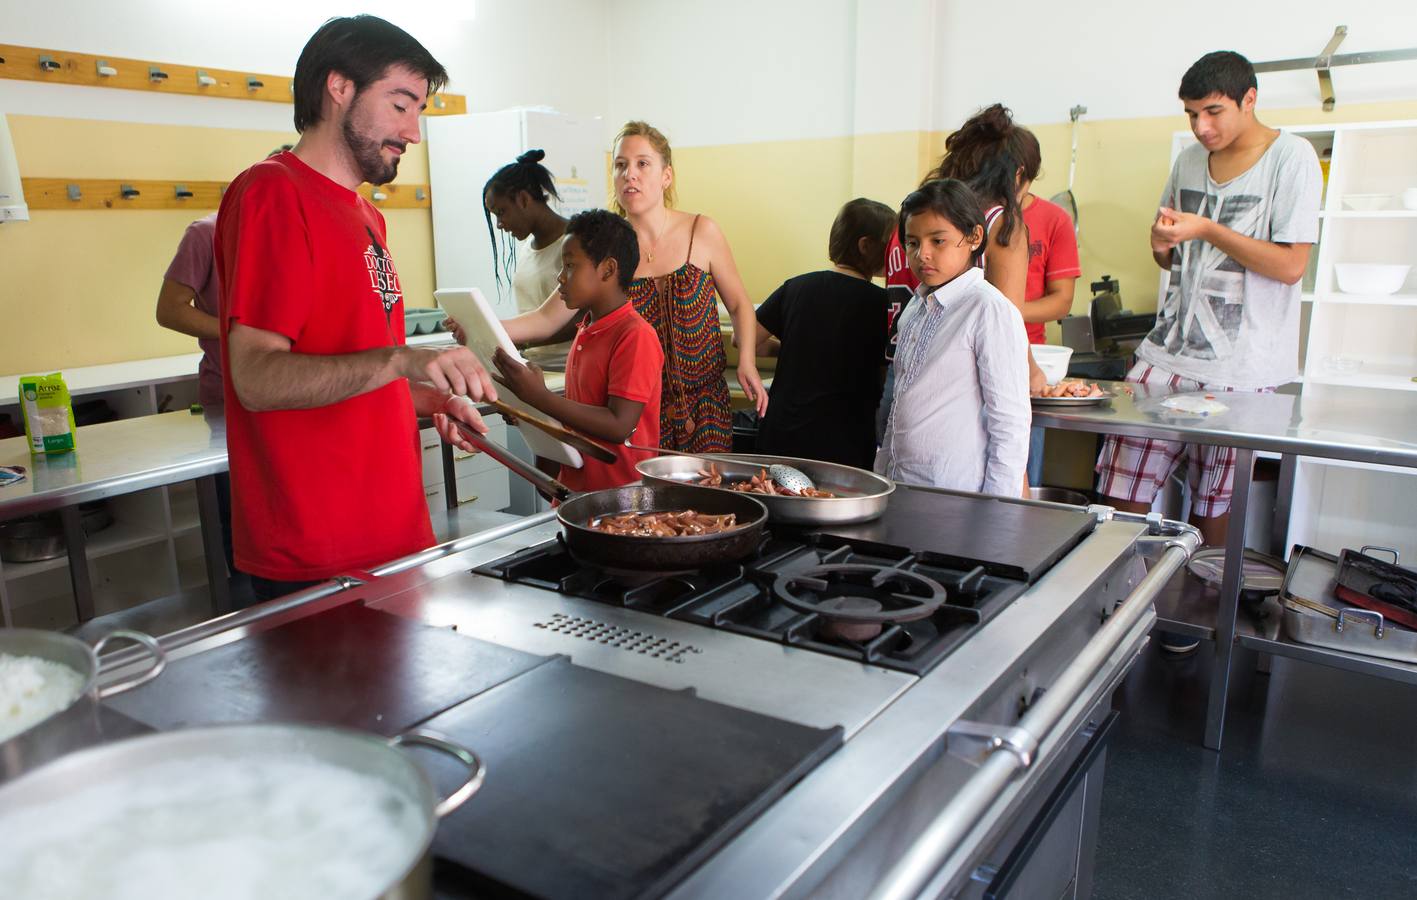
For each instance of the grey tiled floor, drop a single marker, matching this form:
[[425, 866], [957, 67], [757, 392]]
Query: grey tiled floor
[[1313, 795]]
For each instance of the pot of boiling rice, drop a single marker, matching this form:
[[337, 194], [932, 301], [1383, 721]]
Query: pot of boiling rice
[[49, 693], [230, 812]]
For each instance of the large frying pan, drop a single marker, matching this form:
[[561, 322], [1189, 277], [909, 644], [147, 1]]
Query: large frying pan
[[646, 554]]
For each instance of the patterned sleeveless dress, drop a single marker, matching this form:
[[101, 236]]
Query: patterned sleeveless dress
[[694, 411]]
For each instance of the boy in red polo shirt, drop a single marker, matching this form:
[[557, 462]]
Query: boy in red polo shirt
[[613, 371]]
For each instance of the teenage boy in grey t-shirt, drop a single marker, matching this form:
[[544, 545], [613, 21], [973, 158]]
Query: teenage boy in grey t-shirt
[[1238, 216]]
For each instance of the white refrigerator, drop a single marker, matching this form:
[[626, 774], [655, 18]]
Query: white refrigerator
[[464, 151]]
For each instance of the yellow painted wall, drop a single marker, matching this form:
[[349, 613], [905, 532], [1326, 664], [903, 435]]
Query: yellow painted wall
[[776, 200], [87, 281], [79, 288]]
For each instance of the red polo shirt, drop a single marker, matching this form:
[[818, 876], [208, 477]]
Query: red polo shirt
[[617, 355]]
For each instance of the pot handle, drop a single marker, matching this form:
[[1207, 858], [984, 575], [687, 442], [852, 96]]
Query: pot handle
[[476, 771], [154, 650]]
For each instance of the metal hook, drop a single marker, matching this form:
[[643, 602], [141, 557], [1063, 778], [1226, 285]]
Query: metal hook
[[156, 74], [181, 191], [254, 84], [73, 191], [48, 63], [127, 191]]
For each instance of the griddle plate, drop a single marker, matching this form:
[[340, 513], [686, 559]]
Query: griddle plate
[[598, 786], [349, 666], [1012, 539]]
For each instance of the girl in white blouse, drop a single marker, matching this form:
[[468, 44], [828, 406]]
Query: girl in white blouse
[[960, 416]]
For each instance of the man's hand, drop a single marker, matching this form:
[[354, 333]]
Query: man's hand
[[1172, 228], [456, 370], [465, 410], [526, 380]]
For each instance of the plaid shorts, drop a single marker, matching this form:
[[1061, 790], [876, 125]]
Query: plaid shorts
[[1134, 469]]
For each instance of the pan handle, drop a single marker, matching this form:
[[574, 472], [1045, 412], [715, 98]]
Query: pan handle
[[504, 456], [1395, 555]]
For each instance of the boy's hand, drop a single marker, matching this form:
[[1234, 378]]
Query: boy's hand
[[527, 381], [451, 324], [1172, 228], [459, 408]]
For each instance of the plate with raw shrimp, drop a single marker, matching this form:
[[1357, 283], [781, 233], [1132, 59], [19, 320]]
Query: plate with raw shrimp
[[1071, 392]]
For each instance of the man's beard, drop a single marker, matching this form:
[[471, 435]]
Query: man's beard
[[368, 154]]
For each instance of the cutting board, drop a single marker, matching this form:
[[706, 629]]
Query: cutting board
[[1015, 540], [349, 666], [598, 786]]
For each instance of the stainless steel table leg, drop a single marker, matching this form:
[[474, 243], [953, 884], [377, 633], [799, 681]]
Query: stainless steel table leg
[[78, 562], [209, 514], [1283, 504], [1229, 600]]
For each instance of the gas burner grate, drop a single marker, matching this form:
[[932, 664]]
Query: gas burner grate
[[741, 598]]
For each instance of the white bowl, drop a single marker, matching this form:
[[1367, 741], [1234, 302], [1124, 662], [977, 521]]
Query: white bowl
[[1053, 360], [1366, 202], [1373, 280]]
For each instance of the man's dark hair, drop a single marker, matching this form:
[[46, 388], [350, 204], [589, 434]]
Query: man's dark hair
[[1222, 72], [361, 48], [604, 235], [952, 200]]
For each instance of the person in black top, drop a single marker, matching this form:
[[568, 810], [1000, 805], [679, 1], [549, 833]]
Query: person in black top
[[829, 331]]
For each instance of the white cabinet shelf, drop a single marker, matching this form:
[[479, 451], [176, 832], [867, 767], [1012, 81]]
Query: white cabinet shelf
[[1368, 214], [1368, 299]]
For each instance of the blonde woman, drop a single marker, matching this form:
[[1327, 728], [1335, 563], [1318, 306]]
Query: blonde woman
[[685, 266]]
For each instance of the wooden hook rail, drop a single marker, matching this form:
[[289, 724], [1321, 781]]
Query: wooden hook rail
[[119, 194], [64, 67]]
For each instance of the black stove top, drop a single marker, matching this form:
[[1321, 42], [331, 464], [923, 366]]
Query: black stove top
[[878, 604]]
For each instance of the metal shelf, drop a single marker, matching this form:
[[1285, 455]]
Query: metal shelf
[[1335, 659]]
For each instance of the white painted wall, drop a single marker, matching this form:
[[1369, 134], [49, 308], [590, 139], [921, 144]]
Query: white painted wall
[[1121, 60], [733, 71], [499, 53], [738, 71]]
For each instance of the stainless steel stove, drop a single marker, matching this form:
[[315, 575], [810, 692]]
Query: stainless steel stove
[[960, 653]]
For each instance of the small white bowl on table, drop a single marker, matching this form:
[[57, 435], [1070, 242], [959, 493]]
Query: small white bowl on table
[[1053, 360]]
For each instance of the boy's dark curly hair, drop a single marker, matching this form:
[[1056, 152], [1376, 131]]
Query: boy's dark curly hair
[[604, 235]]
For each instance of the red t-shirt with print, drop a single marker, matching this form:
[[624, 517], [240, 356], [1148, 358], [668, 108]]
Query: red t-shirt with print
[[900, 287], [316, 492], [617, 355], [1052, 254]]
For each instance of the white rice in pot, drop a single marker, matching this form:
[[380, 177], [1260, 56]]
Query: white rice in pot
[[265, 826], [33, 689]]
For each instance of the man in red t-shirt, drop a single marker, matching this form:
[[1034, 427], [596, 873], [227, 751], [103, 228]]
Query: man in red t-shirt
[[613, 371], [321, 393]]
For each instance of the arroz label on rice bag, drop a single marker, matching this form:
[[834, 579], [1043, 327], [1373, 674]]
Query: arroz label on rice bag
[[49, 418]]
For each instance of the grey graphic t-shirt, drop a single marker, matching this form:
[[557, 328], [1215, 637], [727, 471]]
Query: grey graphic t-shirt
[[1218, 323]]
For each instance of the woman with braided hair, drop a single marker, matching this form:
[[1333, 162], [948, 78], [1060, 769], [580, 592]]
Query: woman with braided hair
[[519, 196]]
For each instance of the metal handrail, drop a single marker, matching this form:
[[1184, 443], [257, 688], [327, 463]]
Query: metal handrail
[[920, 863]]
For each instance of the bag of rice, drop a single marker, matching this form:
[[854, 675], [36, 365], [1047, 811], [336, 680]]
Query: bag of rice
[[49, 417]]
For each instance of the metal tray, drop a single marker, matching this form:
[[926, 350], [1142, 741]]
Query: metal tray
[[862, 495], [1309, 586], [1071, 401]]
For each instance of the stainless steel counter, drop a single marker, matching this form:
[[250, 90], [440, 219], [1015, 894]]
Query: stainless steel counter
[[1324, 421], [114, 458]]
